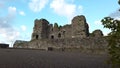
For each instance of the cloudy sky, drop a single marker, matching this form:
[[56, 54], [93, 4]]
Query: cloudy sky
[[17, 16]]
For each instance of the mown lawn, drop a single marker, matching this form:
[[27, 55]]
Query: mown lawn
[[25, 58]]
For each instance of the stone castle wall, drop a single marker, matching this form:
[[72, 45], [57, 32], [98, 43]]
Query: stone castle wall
[[76, 34], [44, 30], [97, 45]]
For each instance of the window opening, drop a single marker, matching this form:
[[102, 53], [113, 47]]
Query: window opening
[[52, 37], [59, 35], [37, 36]]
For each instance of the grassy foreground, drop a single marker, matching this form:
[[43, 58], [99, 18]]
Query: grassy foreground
[[25, 58]]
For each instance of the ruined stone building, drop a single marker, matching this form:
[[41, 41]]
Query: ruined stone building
[[71, 35], [43, 30]]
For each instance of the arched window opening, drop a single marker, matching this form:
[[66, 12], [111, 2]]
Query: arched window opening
[[52, 37], [59, 35], [37, 36]]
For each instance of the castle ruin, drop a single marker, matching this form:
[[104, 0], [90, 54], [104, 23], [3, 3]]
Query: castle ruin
[[76, 34], [43, 30]]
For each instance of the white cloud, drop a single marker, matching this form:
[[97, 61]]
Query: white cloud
[[37, 5], [7, 20], [10, 35], [7, 33], [62, 8], [23, 27], [22, 13], [66, 8], [12, 10]]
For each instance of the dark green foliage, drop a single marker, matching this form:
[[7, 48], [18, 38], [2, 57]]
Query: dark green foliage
[[60, 27], [112, 24], [114, 40], [119, 2], [55, 25]]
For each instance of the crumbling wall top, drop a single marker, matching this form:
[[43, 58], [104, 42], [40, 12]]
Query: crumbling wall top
[[97, 33]]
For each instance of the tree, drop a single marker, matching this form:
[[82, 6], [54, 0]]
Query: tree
[[113, 39], [55, 25], [119, 2]]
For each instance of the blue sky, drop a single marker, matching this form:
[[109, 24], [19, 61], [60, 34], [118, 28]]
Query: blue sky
[[17, 16]]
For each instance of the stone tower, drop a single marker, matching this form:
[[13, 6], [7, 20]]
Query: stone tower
[[79, 27], [40, 29]]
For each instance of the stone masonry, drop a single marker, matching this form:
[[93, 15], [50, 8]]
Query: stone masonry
[[76, 34], [43, 30]]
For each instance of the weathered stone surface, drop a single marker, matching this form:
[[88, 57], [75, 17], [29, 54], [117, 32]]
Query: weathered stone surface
[[41, 29], [80, 27], [74, 35], [97, 33], [44, 30], [20, 44]]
